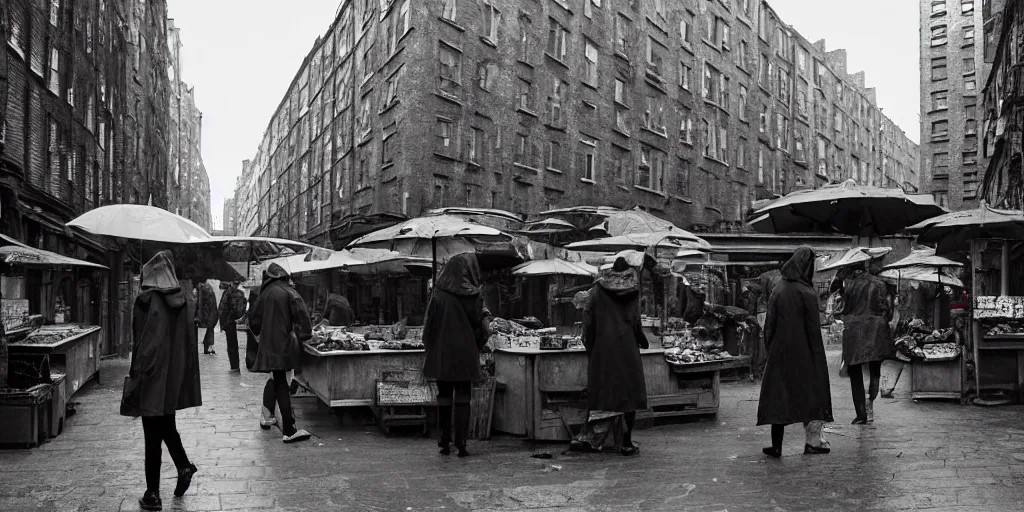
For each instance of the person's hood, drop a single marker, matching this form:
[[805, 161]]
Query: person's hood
[[800, 268], [620, 283], [460, 276], [274, 273], [337, 297], [158, 277]]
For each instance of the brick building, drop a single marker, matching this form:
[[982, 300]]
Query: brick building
[[228, 219], [691, 109], [185, 180], [1003, 106]]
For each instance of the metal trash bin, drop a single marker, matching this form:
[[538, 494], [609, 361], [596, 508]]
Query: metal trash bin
[[26, 414]]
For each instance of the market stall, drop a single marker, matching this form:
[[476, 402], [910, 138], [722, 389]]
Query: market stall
[[72, 350]]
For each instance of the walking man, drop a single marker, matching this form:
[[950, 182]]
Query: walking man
[[206, 314], [232, 308]]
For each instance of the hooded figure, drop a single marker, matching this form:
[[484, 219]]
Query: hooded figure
[[232, 308], [281, 321], [453, 334], [206, 313], [164, 373], [795, 388], [866, 336], [338, 311], [613, 335]]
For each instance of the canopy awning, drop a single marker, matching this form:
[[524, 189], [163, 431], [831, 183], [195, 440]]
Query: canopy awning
[[17, 253]]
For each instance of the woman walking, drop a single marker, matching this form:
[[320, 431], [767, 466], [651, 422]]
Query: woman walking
[[795, 388], [455, 330], [867, 339], [613, 337], [206, 314], [280, 319], [164, 373]]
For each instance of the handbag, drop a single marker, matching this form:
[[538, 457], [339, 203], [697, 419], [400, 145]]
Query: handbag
[[252, 347], [130, 403]]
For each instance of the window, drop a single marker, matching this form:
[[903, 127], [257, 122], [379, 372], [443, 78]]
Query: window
[[938, 7], [387, 154], [941, 198], [802, 108], [524, 38], [940, 129], [525, 95], [451, 69], [654, 114], [969, 66], [686, 30], [553, 157], [760, 164], [492, 19], [939, 68], [659, 7], [403, 20], [392, 92], [560, 91], [623, 28], [590, 56], [588, 148], [654, 55], [620, 91], [723, 144], [784, 85], [971, 127], [54, 12], [684, 76], [683, 178], [444, 132], [622, 162], [476, 146], [487, 74], [968, 35], [652, 169], [743, 102], [741, 55], [801, 60], [970, 87], [522, 147], [686, 128], [448, 9], [741, 153], [970, 158], [54, 79], [799, 150], [821, 156], [558, 37], [715, 86], [764, 70], [940, 163], [710, 134], [717, 32], [967, 7], [781, 132], [940, 100], [938, 35], [765, 113]]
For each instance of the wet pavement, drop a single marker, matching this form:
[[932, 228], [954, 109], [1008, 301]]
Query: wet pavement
[[917, 456]]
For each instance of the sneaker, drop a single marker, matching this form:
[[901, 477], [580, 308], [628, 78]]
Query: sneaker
[[185, 480], [151, 501], [267, 419], [299, 435]]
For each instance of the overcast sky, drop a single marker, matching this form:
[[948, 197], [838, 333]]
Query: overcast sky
[[241, 56]]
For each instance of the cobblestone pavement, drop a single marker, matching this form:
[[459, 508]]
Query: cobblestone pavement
[[934, 456]]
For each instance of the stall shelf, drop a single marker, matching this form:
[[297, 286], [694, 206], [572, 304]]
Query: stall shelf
[[936, 379], [542, 392], [347, 378], [76, 355]]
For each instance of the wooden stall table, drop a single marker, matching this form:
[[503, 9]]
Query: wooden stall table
[[544, 391], [76, 355], [347, 378]]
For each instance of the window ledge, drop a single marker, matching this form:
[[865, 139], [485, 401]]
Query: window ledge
[[387, 165], [649, 190], [588, 84], [525, 63], [565, 6], [366, 80], [525, 167], [682, 199], [557, 60], [487, 41], [687, 47], [622, 187], [451, 158], [663, 134], [473, 166], [556, 127], [388, 107], [526, 111], [394, 54], [711, 45], [687, 143], [621, 55], [620, 131], [553, 170], [448, 98], [452, 23], [588, 181], [713, 159], [713, 209]]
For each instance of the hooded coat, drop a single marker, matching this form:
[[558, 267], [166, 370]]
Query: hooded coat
[[795, 387], [338, 311], [164, 373], [232, 306], [206, 306], [454, 331], [866, 315], [280, 318], [613, 336]]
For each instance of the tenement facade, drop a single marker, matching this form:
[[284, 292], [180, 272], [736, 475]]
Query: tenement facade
[[691, 109], [186, 179], [1004, 107]]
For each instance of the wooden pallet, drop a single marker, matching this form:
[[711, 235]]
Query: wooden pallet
[[482, 409]]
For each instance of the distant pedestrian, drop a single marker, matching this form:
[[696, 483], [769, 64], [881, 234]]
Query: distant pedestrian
[[206, 314], [232, 308], [455, 330], [867, 339], [338, 311], [164, 374], [795, 388], [613, 337], [281, 321]]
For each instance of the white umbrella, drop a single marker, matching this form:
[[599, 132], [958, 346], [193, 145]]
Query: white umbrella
[[554, 267], [923, 273], [357, 261], [855, 256], [18, 253], [643, 241], [140, 222], [923, 258]]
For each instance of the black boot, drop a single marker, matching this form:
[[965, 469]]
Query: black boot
[[184, 480], [151, 501], [444, 421], [461, 428]]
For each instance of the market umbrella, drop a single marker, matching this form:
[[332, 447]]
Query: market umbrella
[[855, 256], [923, 258], [140, 222], [498, 219], [548, 226], [356, 261], [259, 248], [924, 273], [610, 221], [669, 240], [17, 253], [953, 231], [846, 208], [554, 267]]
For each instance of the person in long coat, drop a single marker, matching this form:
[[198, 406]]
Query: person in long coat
[[455, 330], [338, 311], [232, 308], [164, 372], [867, 340], [613, 337], [206, 314], [795, 388], [281, 321]]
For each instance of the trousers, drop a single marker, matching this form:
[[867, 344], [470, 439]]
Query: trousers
[[812, 434], [856, 373], [159, 430], [453, 399], [277, 393], [231, 333]]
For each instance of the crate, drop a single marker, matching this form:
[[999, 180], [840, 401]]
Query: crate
[[26, 414], [59, 404], [401, 400]]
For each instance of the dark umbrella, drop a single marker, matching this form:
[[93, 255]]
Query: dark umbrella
[[954, 231], [847, 208]]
